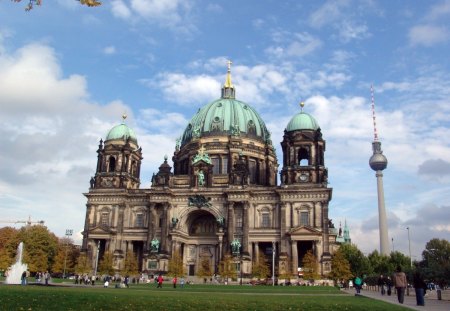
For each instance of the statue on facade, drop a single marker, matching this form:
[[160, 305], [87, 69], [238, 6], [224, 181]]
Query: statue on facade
[[154, 245], [201, 178], [174, 221], [221, 222], [235, 246], [92, 182]]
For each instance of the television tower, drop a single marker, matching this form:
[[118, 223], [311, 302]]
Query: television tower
[[378, 163]]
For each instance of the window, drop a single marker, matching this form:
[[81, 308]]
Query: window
[[112, 164], [252, 171], [104, 219], [224, 165], [304, 218], [139, 222], [265, 220], [216, 168], [303, 157], [239, 219]]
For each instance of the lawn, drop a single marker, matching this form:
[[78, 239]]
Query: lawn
[[192, 297]]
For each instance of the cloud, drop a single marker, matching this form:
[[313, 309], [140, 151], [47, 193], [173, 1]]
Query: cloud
[[350, 31], [328, 13], [427, 35], [438, 11], [292, 45], [109, 50], [434, 167], [170, 14]]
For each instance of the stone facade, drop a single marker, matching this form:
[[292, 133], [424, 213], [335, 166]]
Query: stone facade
[[223, 188]]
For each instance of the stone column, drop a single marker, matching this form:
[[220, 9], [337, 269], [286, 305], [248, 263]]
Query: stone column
[[294, 256], [230, 225], [150, 219], [283, 227], [86, 227], [245, 227], [326, 244], [257, 252], [165, 224]]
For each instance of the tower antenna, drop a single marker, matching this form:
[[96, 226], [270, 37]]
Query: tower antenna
[[375, 133]]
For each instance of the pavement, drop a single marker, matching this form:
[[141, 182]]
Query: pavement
[[431, 301]]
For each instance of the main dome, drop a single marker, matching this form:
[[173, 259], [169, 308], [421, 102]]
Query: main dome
[[227, 116]]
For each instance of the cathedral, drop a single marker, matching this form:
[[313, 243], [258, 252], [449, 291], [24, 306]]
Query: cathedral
[[221, 197]]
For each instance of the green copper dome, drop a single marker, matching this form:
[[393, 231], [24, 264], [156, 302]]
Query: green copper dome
[[227, 116], [122, 132], [302, 121]]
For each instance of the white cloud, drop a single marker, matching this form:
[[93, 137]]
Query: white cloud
[[293, 45], [438, 11], [109, 50], [349, 31], [428, 35], [328, 13], [120, 9]]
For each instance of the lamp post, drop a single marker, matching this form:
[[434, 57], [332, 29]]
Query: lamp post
[[393, 250], [69, 233], [273, 263], [409, 245]]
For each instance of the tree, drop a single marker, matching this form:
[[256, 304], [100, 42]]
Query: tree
[[310, 266], [40, 247], [435, 263], [176, 266], [381, 264], [8, 247], [105, 266], [131, 264], [83, 265], [204, 270], [261, 269], [32, 3], [359, 264], [66, 256], [340, 267], [227, 268]]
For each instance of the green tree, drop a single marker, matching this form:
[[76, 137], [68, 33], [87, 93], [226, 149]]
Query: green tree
[[105, 266], [176, 266], [340, 267], [130, 264], [380, 264], [204, 271], [399, 259], [66, 256], [435, 263], [359, 264], [310, 265], [83, 265], [227, 268], [261, 269], [40, 247]]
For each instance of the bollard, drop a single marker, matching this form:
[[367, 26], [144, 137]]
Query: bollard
[[439, 294]]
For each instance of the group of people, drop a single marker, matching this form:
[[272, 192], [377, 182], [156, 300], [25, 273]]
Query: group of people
[[40, 277], [159, 280], [400, 283]]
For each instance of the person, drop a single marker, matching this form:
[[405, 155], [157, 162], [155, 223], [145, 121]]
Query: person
[[400, 284], [160, 281], [382, 284], [126, 281], [420, 287], [389, 285], [93, 280], [358, 284], [174, 281], [182, 282], [46, 277], [23, 278]]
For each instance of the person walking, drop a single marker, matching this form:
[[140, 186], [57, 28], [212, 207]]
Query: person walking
[[389, 285], [174, 281], [420, 287], [182, 282], [382, 284], [358, 284], [400, 284], [46, 277], [160, 281]]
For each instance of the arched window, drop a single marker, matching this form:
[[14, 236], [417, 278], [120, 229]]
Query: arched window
[[252, 171], [303, 157], [112, 164]]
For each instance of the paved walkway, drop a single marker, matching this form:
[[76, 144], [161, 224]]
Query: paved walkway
[[431, 302]]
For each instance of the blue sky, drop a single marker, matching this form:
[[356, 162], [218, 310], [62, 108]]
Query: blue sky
[[68, 72]]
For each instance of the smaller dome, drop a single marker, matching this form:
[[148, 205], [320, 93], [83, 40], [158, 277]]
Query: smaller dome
[[122, 132], [302, 121]]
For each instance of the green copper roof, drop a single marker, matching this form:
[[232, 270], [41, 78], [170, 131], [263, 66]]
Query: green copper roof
[[121, 131], [302, 121], [227, 116]]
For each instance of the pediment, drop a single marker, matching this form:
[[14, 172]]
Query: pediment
[[100, 230], [304, 230]]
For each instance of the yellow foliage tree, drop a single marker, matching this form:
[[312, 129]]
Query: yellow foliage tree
[[176, 266], [227, 268], [310, 266]]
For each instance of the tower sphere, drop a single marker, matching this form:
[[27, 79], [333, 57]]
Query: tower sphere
[[378, 162]]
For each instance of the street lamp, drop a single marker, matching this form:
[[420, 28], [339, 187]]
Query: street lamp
[[409, 244], [69, 233]]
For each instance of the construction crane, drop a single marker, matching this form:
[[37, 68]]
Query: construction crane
[[27, 222]]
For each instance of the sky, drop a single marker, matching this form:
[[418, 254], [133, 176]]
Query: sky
[[68, 72]]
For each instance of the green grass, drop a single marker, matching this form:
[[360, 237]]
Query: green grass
[[192, 297]]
